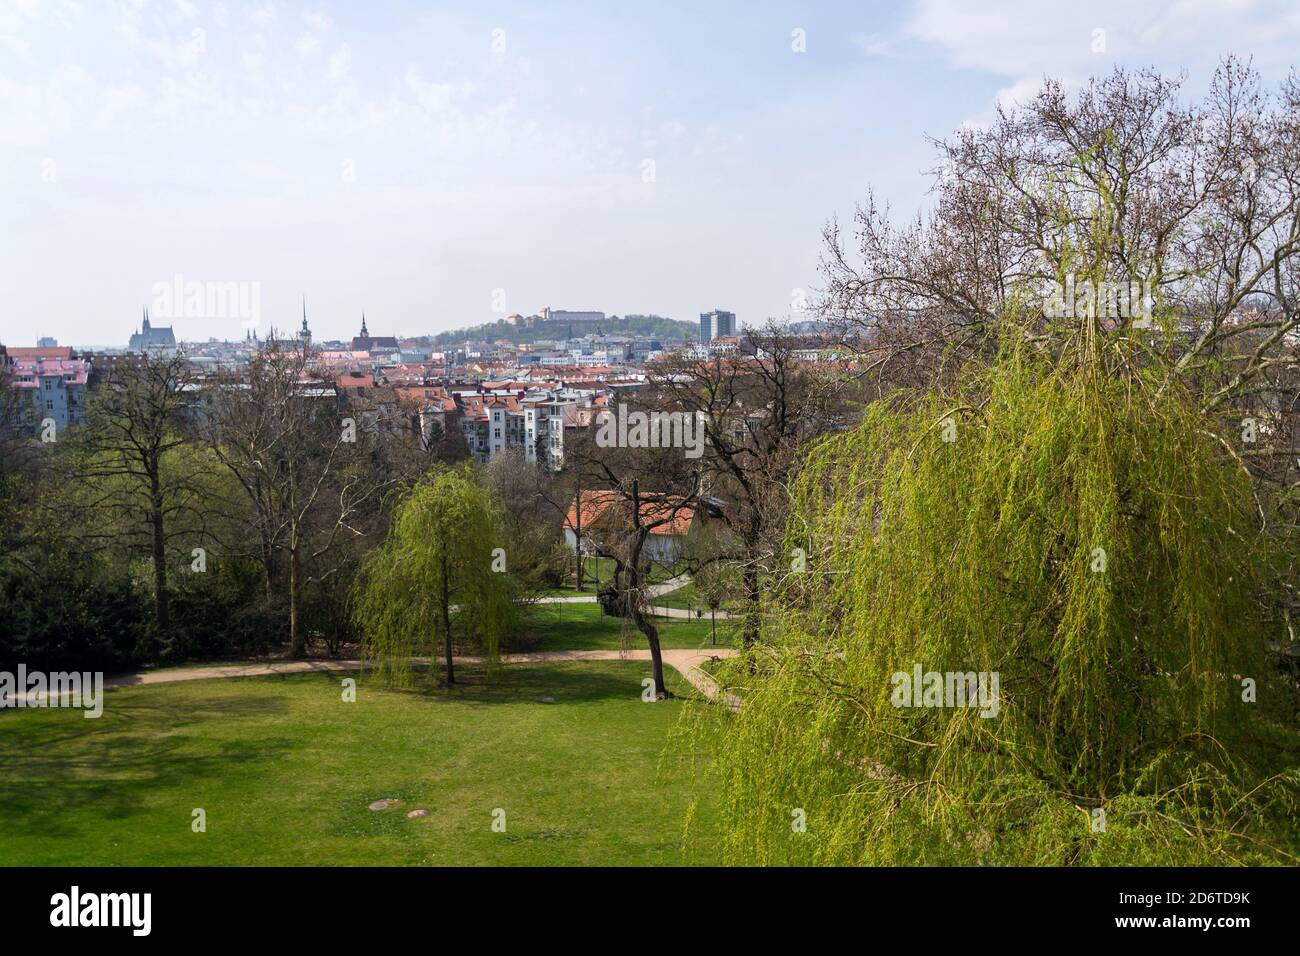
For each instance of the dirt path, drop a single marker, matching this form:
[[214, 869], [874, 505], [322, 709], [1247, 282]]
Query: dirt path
[[686, 662]]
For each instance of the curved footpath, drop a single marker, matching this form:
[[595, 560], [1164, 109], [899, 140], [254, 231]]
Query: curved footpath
[[654, 591], [686, 662]]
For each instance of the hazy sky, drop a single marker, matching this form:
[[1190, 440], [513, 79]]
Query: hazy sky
[[426, 162]]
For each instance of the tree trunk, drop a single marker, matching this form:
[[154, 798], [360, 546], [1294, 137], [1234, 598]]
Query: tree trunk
[[637, 610], [268, 560], [577, 534], [297, 639], [161, 604], [446, 619], [751, 626], [647, 627]]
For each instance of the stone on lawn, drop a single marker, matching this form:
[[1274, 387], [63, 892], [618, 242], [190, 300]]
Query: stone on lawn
[[548, 700], [385, 804], [416, 814]]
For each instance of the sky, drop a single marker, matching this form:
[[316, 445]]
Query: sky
[[441, 165]]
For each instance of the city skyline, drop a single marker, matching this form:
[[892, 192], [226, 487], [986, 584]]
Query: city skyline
[[438, 170]]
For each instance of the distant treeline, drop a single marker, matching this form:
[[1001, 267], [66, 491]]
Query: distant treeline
[[642, 326]]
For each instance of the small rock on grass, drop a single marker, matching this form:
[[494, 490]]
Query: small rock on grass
[[416, 814], [385, 804], [548, 700]]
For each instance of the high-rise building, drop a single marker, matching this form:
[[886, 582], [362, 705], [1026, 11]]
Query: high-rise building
[[716, 324]]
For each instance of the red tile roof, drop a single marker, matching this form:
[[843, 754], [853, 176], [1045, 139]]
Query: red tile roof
[[355, 380], [31, 354], [676, 518]]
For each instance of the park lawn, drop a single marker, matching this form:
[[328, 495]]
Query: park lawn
[[683, 597], [584, 627], [285, 770], [597, 572]]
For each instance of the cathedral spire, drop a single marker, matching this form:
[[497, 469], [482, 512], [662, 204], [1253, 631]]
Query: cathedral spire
[[304, 336], [364, 333]]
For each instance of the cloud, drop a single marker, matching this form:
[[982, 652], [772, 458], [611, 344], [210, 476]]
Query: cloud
[[433, 97], [338, 64], [1023, 38], [1022, 41]]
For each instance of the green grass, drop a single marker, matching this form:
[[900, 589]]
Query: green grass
[[684, 597], [687, 598], [285, 770], [597, 572], [557, 627]]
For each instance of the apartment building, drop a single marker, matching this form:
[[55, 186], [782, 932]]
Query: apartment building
[[55, 389]]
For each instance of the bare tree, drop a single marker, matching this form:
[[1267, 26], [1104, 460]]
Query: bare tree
[[759, 406], [134, 424], [312, 475], [561, 492], [642, 491], [1121, 182], [523, 489]]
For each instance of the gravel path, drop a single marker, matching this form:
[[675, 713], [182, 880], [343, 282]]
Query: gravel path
[[653, 591], [686, 662]]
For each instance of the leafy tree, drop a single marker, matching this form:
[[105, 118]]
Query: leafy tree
[[438, 564], [1092, 546], [1072, 506]]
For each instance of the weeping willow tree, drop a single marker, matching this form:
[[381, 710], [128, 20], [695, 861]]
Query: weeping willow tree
[[440, 565], [1067, 532]]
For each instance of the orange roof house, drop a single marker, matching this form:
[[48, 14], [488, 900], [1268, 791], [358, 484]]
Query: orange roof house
[[669, 514], [671, 517]]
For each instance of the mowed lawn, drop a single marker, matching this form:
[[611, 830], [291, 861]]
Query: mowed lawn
[[285, 769], [586, 627]]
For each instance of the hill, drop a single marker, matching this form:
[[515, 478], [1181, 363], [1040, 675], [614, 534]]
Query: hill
[[638, 326]]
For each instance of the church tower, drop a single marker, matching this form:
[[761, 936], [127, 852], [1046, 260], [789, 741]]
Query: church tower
[[304, 334]]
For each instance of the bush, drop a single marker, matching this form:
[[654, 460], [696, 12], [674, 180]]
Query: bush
[[69, 613], [221, 613]]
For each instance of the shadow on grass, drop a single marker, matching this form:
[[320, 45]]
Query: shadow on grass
[[565, 682], [48, 768]]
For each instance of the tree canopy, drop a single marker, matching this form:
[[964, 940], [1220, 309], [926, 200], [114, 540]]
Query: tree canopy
[[443, 560]]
